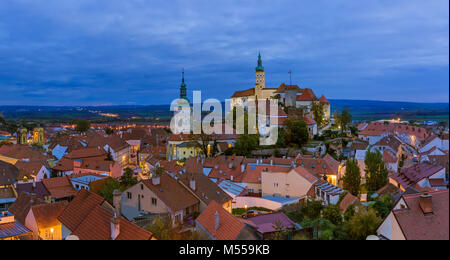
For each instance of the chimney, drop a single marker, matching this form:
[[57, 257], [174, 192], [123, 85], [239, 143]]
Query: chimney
[[216, 221], [192, 184], [115, 226], [426, 203], [156, 180], [117, 200]]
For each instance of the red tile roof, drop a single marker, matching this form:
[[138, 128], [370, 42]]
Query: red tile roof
[[22, 205], [79, 208], [86, 153], [412, 175], [307, 95], [172, 193], [389, 157], [324, 100], [97, 226], [59, 187], [46, 215], [244, 93], [348, 200], [305, 174], [283, 88], [229, 226], [416, 225], [380, 128]]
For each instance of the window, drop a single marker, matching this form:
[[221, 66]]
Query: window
[[154, 201], [129, 195], [142, 186]]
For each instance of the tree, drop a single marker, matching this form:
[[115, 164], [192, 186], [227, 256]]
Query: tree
[[161, 229], [352, 178], [363, 224], [128, 179], [246, 144], [342, 119], [376, 172], [383, 205], [312, 209], [109, 131], [318, 112], [111, 184], [82, 125], [333, 214], [296, 132]]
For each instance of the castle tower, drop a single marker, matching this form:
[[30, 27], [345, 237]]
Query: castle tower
[[259, 78], [22, 135], [38, 135]]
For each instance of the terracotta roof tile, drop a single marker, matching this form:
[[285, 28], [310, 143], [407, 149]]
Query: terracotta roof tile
[[173, 194], [59, 187], [46, 215], [79, 208], [229, 226], [244, 93], [416, 225], [97, 226]]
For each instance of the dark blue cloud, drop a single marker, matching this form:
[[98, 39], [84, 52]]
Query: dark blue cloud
[[83, 52]]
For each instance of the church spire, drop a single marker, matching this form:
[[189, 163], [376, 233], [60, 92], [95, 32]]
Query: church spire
[[183, 87], [260, 67]]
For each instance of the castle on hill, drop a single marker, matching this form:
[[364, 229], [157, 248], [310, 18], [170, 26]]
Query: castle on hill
[[288, 95]]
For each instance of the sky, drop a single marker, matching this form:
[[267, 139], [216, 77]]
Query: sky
[[116, 52]]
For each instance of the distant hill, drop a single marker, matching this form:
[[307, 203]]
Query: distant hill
[[373, 110], [360, 109]]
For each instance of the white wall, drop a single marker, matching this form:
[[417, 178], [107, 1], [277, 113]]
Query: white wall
[[241, 202]]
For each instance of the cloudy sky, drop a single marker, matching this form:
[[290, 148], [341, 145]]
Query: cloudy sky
[[88, 52]]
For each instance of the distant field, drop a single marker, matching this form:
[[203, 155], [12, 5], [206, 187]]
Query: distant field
[[360, 109]]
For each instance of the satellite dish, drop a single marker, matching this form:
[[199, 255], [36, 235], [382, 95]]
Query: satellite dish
[[372, 237], [72, 237]]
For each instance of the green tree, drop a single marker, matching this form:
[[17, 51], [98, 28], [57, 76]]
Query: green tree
[[333, 214], [383, 205], [296, 132], [352, 178], [376, 172], [246, 144], [161, 229], [349, 212], [111, 184], [363, 224], [343, 119], [317, 109], [82, 125], [312, 209], [128, 179]]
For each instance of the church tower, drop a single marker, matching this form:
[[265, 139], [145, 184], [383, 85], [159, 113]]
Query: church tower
[[259, 78], [22, 135], [38, 135], [183, 94]]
